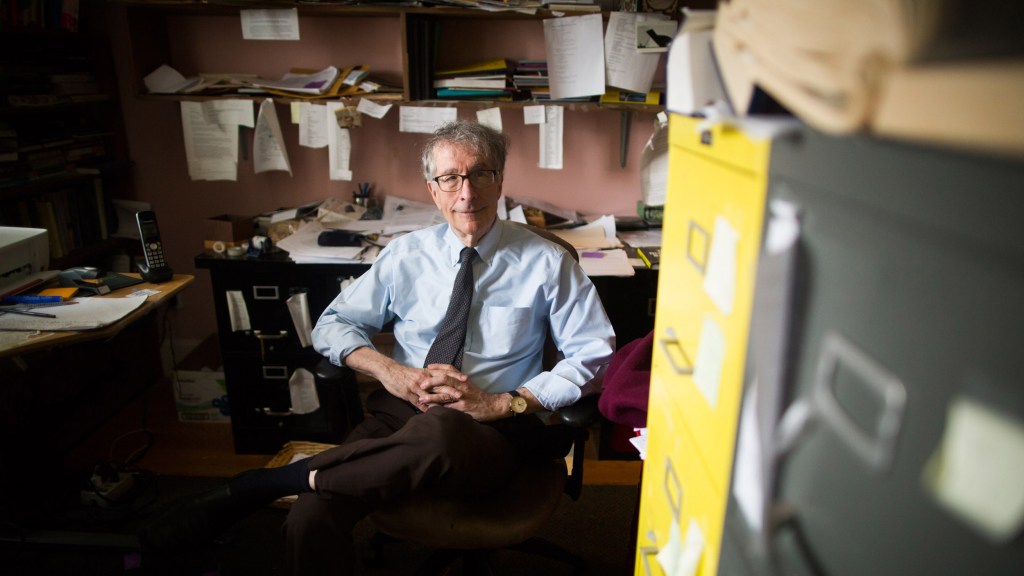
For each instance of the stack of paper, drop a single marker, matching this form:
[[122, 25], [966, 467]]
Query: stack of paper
[[301, 82]]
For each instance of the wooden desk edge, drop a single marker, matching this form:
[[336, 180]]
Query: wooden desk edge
[[46, 340]]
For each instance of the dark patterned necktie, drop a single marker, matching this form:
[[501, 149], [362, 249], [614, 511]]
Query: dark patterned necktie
[[451, 340]]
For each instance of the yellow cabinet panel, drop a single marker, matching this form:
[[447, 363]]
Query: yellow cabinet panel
[[711, 239], [718, 142], [676, 489]]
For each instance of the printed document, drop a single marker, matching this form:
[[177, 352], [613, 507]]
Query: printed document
[[575, 55]]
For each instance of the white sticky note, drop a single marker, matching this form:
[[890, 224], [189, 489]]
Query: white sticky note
[[534, 115], [682, 557], [693, 550], [748, 482], [977, 471], [373, 109], [669, 555], [490, 117], [720, 279], [707, 370], [302, 389]]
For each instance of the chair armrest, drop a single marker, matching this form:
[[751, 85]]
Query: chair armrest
[[583, 414], [579, 418], [326, 371]]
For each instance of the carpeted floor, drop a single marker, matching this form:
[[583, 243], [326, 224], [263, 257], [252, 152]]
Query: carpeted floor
[[597, 527]]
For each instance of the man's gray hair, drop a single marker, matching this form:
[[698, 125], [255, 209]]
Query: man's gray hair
[[488, 142]]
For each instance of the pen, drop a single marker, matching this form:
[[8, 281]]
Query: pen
[[28, 313]]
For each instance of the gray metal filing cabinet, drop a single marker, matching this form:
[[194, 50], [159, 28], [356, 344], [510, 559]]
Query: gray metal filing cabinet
[[887, 356]]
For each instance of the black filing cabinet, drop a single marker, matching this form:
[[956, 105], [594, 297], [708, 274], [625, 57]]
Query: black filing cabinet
[[261, 350]]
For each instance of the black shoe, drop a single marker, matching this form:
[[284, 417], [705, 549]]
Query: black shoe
[[191, 523]]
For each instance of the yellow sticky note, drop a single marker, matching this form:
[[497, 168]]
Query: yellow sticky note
[[64, 293]]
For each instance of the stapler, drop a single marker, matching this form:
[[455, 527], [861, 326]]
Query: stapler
[[87, 279]]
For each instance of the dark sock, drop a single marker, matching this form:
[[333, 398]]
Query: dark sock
[[262, 486]]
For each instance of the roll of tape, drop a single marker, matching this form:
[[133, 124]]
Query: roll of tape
[[218, 247], [236, 251]]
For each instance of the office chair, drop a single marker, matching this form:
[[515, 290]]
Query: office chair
[[474, 529]]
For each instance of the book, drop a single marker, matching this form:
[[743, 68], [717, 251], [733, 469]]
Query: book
[[474, 93], [651, 255], [485, 67], [492, 82]]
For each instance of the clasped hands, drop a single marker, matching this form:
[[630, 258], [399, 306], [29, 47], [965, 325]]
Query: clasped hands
[[445, 385]]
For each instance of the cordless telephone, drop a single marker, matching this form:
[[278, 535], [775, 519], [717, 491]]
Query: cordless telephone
[[155, 268]]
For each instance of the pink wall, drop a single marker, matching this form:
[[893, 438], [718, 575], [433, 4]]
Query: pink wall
[[592, 182]]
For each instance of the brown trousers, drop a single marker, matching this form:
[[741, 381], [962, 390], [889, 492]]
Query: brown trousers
[[395, 453]]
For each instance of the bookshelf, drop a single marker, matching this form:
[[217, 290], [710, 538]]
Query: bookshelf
[[64, 155], [402, 45]]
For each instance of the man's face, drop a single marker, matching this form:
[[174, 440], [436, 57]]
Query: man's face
[[470, 210]]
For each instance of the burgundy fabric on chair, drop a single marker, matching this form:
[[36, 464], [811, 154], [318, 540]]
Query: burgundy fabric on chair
[[627, 384]]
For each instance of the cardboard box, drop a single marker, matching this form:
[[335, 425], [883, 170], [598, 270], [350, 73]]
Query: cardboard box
[[229, 228], [200, 390]]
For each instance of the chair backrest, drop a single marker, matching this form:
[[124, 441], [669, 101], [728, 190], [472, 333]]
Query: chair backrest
[[551, 237]]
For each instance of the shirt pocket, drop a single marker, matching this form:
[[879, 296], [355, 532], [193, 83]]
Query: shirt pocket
[[504, 329]]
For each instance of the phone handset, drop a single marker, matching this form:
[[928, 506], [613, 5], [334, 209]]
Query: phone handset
[[155, 268]]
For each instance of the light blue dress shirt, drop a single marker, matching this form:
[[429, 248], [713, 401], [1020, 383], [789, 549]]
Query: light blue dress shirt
[[523, 285]]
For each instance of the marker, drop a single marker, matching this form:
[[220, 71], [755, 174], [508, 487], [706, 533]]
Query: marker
[[31, 299]]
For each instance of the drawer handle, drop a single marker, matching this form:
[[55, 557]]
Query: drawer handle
[[263, 339], [697, 252], [265, 293], [670, 339], [672, 486], [276, 413], [646, 552], [875, 446], [275, 372]]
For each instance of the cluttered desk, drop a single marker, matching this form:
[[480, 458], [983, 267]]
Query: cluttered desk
[[27, 326], [44, 309], [336, 232]]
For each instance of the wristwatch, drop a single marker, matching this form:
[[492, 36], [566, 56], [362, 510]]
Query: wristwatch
[[518, 404]]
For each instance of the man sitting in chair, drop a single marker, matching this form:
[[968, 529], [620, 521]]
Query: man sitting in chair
[[453, 415]]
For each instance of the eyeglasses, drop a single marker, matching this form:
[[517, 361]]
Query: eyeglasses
[[478, 178]]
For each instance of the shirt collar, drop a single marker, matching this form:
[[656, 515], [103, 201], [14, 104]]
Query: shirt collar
[[485, 250]]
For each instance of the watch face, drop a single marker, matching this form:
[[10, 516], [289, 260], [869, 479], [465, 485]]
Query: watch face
[[518, 404]]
